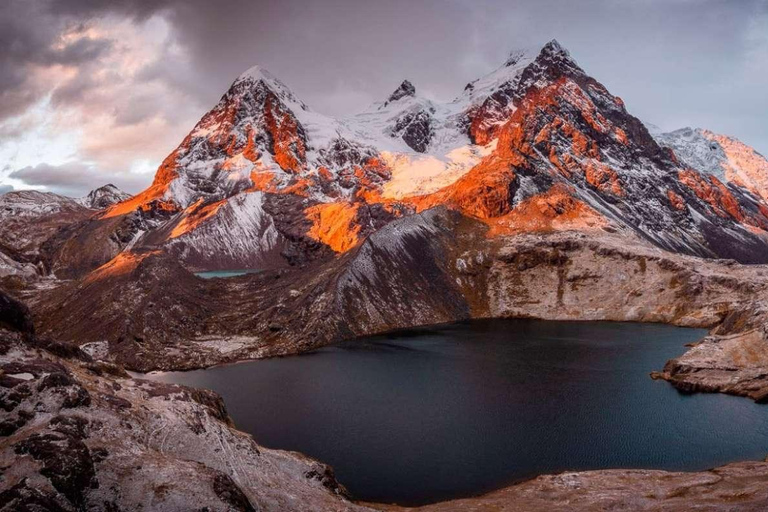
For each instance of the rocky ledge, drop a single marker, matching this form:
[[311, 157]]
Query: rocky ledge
[[736, 487], [736, 364]]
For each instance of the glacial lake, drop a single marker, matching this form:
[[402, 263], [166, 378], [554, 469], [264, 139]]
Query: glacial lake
[[457, 410], [210, 274]]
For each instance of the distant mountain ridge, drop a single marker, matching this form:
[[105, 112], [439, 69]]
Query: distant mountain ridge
[[28, 218], [726, 158], [103, 197]]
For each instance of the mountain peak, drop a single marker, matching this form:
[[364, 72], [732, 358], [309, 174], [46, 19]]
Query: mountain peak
[[554, 60], [523, 55], [259, 77], [103, 197], [554, 52], [256, 73], [406, 88], [555, 47]]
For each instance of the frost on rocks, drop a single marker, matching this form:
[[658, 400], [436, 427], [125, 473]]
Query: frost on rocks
[[241, 231]]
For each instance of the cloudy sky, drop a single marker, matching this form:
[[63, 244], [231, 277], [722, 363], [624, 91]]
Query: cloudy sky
[[97, 91]]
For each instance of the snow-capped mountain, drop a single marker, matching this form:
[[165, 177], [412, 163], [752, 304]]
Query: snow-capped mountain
[[535, 145], [726, 158], [260, 135], [103, 197]]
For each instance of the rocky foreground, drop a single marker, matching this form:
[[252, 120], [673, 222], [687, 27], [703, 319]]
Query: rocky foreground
[[76, 434], [736, 487], [81, 434]]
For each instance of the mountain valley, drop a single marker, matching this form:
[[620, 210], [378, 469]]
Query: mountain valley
[[533, 194]]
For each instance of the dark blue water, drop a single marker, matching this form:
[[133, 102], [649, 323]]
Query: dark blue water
[[457, 410]]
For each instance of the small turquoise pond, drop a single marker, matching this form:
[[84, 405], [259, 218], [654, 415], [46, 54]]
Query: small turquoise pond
[[226, 273]]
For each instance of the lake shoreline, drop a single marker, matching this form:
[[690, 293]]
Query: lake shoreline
[[598, 351]]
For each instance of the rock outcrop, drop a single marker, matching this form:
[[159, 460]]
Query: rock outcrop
[[726, 158], [736, 364], [78, 434], [104, 197]]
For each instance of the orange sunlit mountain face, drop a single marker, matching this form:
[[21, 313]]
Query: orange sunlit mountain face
[[536, 146]]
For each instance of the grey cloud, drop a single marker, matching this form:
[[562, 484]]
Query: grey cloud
[[27, 35], [82, 50], [76, 179], [21, 42], [135, 9], [5, 188]]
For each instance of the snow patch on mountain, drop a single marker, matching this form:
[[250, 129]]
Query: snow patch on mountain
[[560, 126], [260, 116], [11, 267], [695, 150], [743, 165], [508, 74], [258, 74], [414, 175]]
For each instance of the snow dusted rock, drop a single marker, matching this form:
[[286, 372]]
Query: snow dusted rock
[[404, 89], [97, 350], [537, 129], [415, 128], [411, 119], [102, 197], [571, 155], [726, 158], [695, 150], [234, 233], [32, 203], [11, 267]]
